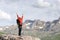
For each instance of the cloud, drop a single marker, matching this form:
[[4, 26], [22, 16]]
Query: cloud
[[4, 15], [42, 3], [58, 0]]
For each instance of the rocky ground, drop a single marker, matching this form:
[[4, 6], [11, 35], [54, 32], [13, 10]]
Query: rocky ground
[[15, 37]]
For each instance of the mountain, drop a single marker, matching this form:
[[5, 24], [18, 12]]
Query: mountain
[[34, 24]]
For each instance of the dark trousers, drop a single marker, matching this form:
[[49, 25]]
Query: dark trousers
[[19, 30]]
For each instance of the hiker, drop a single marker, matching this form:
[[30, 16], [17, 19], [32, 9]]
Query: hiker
[[19, 23]]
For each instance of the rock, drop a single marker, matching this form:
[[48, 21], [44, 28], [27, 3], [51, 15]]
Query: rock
[[15, 37], [37, 39]]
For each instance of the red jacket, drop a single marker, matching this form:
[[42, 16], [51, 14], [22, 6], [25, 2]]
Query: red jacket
[[20, 19]]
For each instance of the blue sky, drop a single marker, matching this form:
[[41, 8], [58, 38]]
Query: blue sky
[[45, 10]]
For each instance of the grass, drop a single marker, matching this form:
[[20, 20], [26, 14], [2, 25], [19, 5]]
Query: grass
[[55, 37], [2, 33]]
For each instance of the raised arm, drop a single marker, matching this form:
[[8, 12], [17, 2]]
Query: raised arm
[[22, 16], [18, 17]]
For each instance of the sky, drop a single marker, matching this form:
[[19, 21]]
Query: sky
[[45, 10]]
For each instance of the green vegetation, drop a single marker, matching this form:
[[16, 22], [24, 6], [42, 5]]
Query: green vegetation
[[2, 33], [55, 37]]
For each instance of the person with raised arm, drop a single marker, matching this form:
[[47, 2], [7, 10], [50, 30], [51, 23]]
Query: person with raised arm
[[19, 23]]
